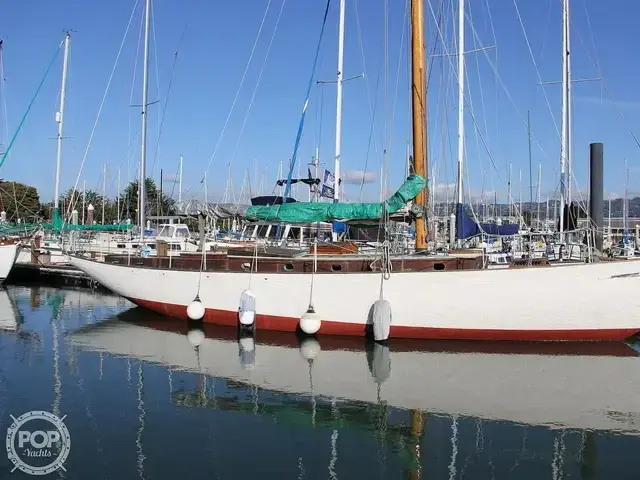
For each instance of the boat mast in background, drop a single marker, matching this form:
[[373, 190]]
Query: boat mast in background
[[460, 112], [60, 122], [419, 112], [336, 164], [145, 102], [180, 180], [565, 196]]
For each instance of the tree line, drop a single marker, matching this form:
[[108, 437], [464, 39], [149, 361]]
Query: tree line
[[22, 202]]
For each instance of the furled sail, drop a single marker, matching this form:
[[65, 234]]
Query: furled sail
[[307, 212]]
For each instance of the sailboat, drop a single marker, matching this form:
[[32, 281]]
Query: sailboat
[[413, 296], [8, 247]]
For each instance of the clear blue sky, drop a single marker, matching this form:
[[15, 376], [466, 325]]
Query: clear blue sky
[[216, 47]]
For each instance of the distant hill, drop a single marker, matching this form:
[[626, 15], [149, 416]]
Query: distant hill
[[502, 209]]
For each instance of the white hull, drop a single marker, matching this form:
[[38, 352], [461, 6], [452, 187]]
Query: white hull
[[8, 255], [531, 389], [572, 302]]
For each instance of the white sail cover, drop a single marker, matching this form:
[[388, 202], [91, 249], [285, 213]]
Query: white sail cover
[[221, 211]]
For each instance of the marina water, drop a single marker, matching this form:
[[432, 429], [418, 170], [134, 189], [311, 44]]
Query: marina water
[[143, 396]]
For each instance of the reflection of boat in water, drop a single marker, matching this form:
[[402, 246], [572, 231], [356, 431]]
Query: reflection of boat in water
[[9, 316], [586, 386], [67, 297], [8, 254], [79, 297]]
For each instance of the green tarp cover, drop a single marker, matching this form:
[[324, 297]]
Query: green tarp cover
[[26, 229], [307, 212]]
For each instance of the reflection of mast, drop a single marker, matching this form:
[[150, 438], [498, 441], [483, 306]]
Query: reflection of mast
[[334, 442], [57, 383], [589, 456], [454, 447], [557, 464], [417, 431], [141, 418]]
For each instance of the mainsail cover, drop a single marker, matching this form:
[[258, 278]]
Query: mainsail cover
[[467, 227], [216, 211], [307, 212]]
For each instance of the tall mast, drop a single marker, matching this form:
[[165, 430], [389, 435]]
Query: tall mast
[[569, 137], [118, 212], [539, 191], [180, 180], [520, 215], [609, 237], [60, 120], [530, 170], [336, 161], [419, 110], [460, 99], [625, 206], [565, 118], [509, 202], [206, 196], [104, 189], [84, 197], [145, 102]]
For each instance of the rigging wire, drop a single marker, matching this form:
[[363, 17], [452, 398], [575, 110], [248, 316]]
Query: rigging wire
[[546, 31], [306, 103], [154, 46], [371, 133], [3, 94], [606, 88], [384, 183], [472, 115], [495, 84], [477, 45], [170, 84], [31, 102], [244, 75], [104, 98], [535, 64], [255, 90], [364, 68], [593, 40], [395, 94], [135, 68]]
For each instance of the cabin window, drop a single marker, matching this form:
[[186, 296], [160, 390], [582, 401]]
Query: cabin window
[[288, 267], [121, 245], [336, 268], [182, 232], [164, 231], [438, 266]]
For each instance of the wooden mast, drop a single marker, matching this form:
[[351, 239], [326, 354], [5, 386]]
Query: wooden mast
[[419, 117], [419, 112]]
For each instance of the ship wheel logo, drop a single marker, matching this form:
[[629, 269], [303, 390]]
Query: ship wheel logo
[[38, 443]]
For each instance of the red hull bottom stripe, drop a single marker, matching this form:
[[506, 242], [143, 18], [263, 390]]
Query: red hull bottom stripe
[[290, 324]]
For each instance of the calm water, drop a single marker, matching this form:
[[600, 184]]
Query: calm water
[[145, 397]]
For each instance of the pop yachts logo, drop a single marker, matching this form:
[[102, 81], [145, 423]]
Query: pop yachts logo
[[38, 443]]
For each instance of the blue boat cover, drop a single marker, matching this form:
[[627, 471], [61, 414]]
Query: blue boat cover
[[467, 227]]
